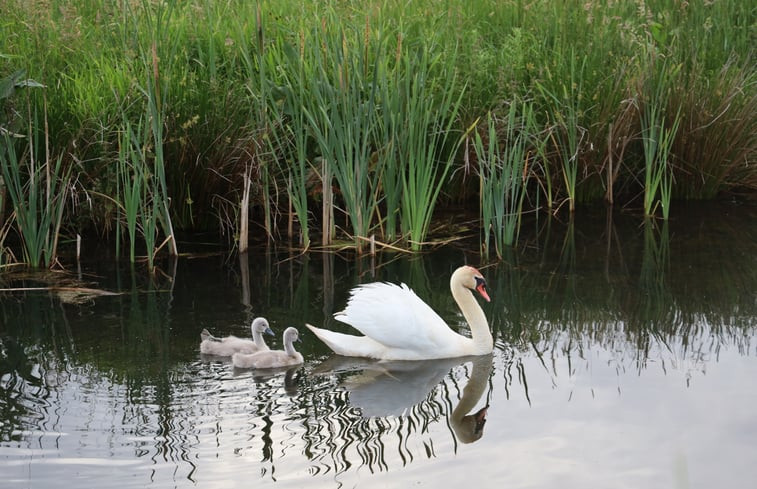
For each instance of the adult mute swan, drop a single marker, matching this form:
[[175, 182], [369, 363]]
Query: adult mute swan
[[271, 358], [227, 346], [397, 325]]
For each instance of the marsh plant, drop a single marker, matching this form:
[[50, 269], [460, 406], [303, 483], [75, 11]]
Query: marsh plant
[[425, 139], [141, 197], [567, 134], [416, 138], [299, 115], [341, 113], [37, 186], [658, 136], [503, 155]]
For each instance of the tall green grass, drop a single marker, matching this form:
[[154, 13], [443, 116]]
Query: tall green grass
[[37, 187], [658, 135], [564, 109], [141, 198], [341, 113], [425, 139], [345, 109], [503, 157], [130, 185], [288, 128]]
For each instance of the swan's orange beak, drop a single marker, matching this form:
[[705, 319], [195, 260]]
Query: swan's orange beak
[[481, 288]]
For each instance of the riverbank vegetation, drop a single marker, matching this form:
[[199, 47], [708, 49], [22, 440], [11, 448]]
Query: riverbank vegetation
[[348, 123]]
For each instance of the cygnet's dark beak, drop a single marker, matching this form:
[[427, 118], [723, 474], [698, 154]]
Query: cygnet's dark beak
[[269, 331]]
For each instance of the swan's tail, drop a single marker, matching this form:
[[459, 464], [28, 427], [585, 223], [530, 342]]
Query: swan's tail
[[205, 335], [347, 345]]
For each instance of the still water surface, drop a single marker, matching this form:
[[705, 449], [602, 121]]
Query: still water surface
[[626, 357]]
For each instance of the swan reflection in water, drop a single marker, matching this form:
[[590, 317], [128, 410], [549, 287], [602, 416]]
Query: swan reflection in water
[[393, 388]]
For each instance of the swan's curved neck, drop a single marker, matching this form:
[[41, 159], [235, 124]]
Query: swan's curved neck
[[475, 387], [469, 427], [289, 347], [483, 342]]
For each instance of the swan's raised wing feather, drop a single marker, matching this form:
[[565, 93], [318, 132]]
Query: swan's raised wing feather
[[396, 317]]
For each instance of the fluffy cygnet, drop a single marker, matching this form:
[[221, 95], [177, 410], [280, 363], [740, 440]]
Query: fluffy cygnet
[[272, 358], [226, 347]]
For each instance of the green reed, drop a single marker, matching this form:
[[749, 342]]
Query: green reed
[[219, 99], [564, 106], [289, 126], [389, 137], [657, 139], [37, 190], [503, 158], [141, 188], [341, 114], [156, 94], [137, 188], [128, 190], [426, 140]]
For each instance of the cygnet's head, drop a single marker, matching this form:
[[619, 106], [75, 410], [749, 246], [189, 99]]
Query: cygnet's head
[[260, 325], [291, 335]]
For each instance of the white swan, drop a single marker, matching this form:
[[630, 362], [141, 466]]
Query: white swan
[[271, 358], [399, 326], [225, 347]]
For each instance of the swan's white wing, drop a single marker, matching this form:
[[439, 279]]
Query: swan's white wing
[[397, 318]]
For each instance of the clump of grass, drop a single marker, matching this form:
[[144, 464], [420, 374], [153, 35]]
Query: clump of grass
[[341, 114], [37, 190], [716, 142], [503, 160], [420, 99], [565, 112], [244, 120], [141, 186], [427, 144], [289, 126], [130, 184], [657, 140]]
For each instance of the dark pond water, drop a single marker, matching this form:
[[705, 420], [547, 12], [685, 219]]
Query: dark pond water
[[626, 357]]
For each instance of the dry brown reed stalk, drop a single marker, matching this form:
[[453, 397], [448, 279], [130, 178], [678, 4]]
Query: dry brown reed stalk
[[244, 212], [327, 221], [619, 134], [374, 242]]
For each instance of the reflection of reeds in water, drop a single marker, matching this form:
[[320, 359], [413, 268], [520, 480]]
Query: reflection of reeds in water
[[23, 392], [564, 300], [655, 264]]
